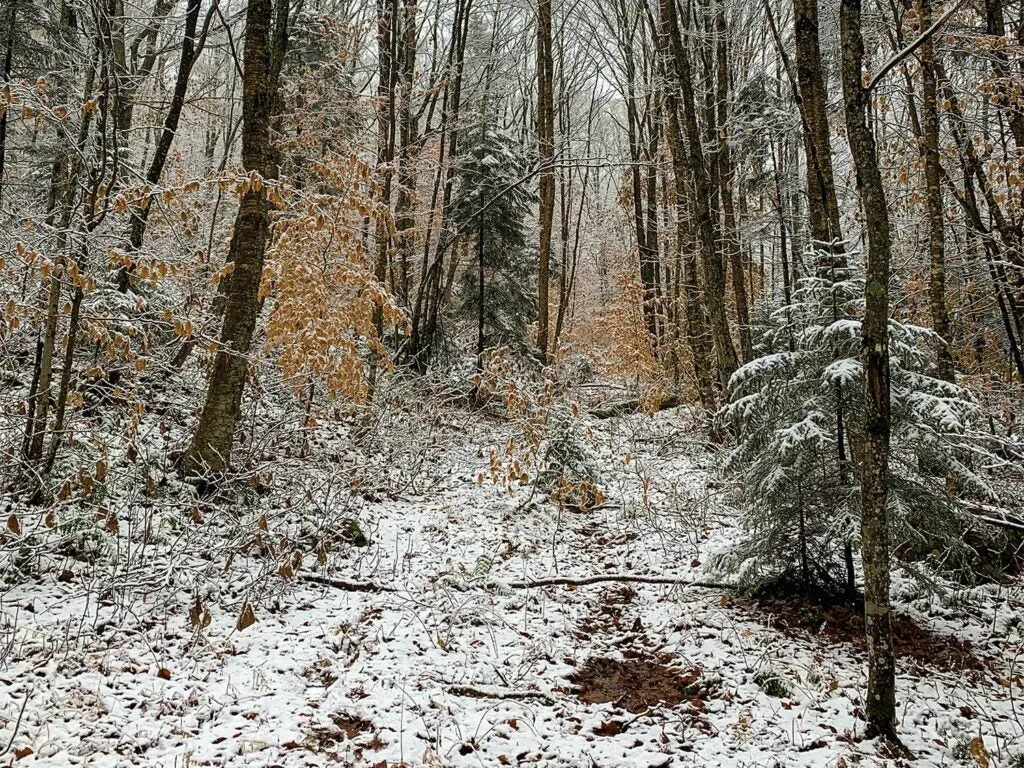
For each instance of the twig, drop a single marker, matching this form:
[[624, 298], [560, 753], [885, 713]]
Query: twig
[[582, 582], [477, 693], [347, 586], [17, 724]]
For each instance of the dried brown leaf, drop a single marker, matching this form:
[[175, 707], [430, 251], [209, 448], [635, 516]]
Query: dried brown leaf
[[246, 619]]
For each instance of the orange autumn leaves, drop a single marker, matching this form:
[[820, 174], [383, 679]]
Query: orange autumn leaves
[[323, 323]]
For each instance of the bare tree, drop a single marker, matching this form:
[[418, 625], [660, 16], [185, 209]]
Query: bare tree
[[266, 40], [872, 436]]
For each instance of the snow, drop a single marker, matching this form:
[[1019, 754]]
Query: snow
[[133, 683], [845, 371]]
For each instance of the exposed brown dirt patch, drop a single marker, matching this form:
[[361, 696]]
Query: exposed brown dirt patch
[[638, 684], [842, 621]]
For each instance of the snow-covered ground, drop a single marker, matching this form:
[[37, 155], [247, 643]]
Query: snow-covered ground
[[452, 663]]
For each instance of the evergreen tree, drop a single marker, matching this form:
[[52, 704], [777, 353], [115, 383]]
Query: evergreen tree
[[799, 485], [491, 205]]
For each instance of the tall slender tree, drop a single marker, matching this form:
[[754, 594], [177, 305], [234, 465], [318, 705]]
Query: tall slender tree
[[546, 159], [703, 192], [872, 436], [266, 39], [933, 199]]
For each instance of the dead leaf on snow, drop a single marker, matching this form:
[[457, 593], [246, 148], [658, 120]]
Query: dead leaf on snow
[[246, 619]]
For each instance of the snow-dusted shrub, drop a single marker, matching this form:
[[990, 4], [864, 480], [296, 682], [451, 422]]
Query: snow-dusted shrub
[[794, 410], [548, 446], [568, 472]]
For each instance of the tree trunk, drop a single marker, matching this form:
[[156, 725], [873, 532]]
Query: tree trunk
[[873, 453], [12, 10], [712, 263], [651, 271], [387, 82], [480, 244], [431, 287], [686, 273], [190, 49], [64, 196], [823, 206], [546, 159], [934, 206], [726, 177], [405, 222], [265, 43]]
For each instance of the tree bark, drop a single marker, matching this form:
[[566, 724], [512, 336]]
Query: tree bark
[[697, 332], [12, 10], [405, 222], [873, 437], [934, 205], [823, 206], [712, 263], [546, 158], [726, 179], [265, 43], [481, 284]]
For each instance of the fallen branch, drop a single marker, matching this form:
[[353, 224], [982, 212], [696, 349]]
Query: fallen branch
[[622, 577], [347, 586], [627, 407], [995, 516], [477, 693]]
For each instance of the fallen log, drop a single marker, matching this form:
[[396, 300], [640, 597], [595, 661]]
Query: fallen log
[[566, 581], [345, 586], [627, 407]]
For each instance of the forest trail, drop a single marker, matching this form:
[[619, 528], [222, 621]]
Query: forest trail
[[454, 667]]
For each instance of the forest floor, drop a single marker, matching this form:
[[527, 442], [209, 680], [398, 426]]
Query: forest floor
[[455, 662]]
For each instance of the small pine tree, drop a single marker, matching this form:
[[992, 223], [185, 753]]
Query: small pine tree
[[491, 204], [796, 466]]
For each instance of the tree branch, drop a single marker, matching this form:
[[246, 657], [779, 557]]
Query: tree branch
[[914, 45]]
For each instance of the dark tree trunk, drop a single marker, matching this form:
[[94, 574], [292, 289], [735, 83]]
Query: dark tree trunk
[[697, 331], [873, 437], [265, 42], [934, 205], [405, 221], [546, 158], [190, 49], [651, 256], [823, 207], [726, 179], [387, 86], [703, 193], [480, 245], [12, 10]]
